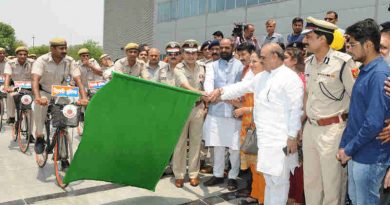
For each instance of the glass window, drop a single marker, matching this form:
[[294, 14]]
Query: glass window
[[264, 1], [173, 9], [252, 2], [187, 8], [230, 4], [163, 12], [240, 3], [194, 7], [212, 6], [202, 7], [220, 5]]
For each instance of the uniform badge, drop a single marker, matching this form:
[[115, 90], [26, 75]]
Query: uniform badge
[[201, 76], [191, 44], [355, 72], [172, 45]]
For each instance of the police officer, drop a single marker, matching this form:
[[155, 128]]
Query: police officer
[[107, 65], [166, 75], [89, 67], [3, 60], [204, 48], [130, 65], [53, 68], [189, 75], [329, 87], [18, 69], [154, 65]]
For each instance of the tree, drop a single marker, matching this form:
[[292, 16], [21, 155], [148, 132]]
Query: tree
[[7, 38], [39, 50], [95, 51]]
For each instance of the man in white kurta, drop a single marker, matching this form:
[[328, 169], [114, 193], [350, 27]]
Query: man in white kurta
[[221, 130], [278, 100]]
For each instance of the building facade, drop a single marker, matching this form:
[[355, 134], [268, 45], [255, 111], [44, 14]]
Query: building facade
[[157, 22]]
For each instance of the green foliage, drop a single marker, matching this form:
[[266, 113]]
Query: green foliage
[[7, 38], [39, 50], [95, 51]]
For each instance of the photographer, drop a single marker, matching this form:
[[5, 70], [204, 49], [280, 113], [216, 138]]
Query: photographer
[[246, 36]]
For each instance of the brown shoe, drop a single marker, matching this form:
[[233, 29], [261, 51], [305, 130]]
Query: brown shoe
[[179, 183], [206, 170], [194, 181]]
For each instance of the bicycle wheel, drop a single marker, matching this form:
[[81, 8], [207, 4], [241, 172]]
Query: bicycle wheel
[[23, 131], [62, 153], [42, 158]]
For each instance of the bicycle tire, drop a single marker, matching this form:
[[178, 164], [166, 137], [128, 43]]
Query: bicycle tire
[[23, 132], [62, 142]]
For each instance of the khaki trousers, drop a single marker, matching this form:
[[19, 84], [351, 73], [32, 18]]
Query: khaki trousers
[[193, 131], [324, 177], [10, 103], [39, 116]]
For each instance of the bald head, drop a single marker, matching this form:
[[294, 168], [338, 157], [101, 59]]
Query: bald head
[[226, 46], [272, 56], [153, 56]]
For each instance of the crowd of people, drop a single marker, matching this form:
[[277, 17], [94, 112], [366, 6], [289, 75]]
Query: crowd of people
[[314, 107]]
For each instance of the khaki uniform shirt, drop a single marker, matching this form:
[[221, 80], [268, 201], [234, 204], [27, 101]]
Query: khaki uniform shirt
[[138, 69], [166, 75], [324, 83], [183, 74], [2, 66], [17, 71], [52, 73], [87, 74], [154, 72]]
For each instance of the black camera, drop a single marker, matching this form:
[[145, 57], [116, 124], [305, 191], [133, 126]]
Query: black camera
[[388, 8], [238, 31]]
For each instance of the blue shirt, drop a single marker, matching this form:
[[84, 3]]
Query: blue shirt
[[291, 38], [225, 73], [368, 110]]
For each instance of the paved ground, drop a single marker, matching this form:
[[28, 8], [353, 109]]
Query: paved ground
[[23, 182]]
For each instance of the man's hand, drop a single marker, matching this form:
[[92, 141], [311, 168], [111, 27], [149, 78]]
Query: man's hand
[[8, 90], [236, 103], [386, 182], [342, 157], [254, 39], [387, 86], [213, 96], [83, 102], [41, 101], [384, 136], [86, 62], [292, 146]]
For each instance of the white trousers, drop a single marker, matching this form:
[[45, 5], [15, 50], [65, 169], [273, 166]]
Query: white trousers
[[277, 187], [219, 162]]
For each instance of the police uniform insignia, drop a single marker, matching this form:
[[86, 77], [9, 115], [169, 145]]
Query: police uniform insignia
[[191, 44], [201, 76], [172, 45], [355, 72]]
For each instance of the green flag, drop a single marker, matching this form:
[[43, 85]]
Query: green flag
[[131, 129]]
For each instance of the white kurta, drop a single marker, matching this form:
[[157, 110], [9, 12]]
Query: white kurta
[[278, 101]]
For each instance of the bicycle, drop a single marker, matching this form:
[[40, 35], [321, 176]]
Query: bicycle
[[22, 129], [60, 116]]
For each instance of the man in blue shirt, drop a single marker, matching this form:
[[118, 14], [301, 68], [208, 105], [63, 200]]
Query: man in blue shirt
[[297, 26], [369, 108]]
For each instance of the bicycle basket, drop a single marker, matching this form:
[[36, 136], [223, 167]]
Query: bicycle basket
[[58, 118]]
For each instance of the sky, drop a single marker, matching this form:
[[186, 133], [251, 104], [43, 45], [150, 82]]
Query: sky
[[75, 20]]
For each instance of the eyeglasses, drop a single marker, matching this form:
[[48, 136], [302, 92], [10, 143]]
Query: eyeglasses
[[329, 19], [174, 53]]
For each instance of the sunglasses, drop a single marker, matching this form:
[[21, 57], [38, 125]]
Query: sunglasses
[[174, 53]]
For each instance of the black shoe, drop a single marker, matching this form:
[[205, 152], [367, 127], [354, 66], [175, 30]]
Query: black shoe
[[214, 181], [11, 120], [243, 193], [39, 145], [248, 201], [32, 139], [232, 184], [64, 165]]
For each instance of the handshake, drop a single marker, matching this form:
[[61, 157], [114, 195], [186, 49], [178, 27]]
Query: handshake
[[213, 96]]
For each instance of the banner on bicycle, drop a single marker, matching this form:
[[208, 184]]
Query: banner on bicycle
[[64, 91], [96, 84], [22, 84]]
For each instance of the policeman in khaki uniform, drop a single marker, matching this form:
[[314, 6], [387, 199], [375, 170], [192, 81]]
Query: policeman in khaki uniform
[[89, 67], [18, 69], [189, 75], [329, 87], [107, 66], [130, 64], [3, 59], [53, 68], [166, 75]]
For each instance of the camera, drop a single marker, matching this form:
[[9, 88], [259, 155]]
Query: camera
[[238, 31], [388, 8]]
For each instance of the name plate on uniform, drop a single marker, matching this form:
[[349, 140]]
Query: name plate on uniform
[[96, 84], [2, 78], [64, 91], [22, 84]]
